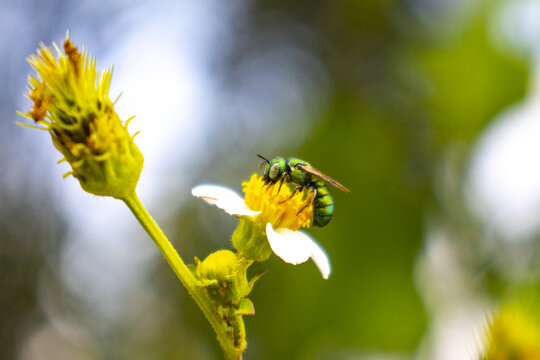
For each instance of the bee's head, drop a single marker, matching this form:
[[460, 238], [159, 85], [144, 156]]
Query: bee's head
[[274, 169]]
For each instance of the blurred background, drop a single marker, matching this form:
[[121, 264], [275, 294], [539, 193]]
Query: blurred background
[[428, 110]]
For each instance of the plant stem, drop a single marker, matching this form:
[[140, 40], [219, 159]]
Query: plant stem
[[189, 281]]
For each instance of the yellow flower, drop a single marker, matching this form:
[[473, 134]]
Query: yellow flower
[[276, 204], [513, 334], [71, 101], [270, 218]]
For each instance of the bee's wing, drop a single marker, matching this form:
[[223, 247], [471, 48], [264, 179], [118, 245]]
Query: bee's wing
[[311, 170]]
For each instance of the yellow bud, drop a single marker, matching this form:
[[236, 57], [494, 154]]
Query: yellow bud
[[224, 275], [71, 101]]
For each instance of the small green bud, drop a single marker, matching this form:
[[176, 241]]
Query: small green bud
[[223, 273]]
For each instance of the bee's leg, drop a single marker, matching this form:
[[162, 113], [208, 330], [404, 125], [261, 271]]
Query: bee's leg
[[282, 180], [312, 196], [296, 189], [267, 181], [281, 183]]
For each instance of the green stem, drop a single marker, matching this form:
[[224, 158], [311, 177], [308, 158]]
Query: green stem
[[189, 281]]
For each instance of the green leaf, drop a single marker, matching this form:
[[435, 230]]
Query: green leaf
[[255, 278], [245, 307]]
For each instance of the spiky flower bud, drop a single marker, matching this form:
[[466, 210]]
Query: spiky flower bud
[[71, 101]]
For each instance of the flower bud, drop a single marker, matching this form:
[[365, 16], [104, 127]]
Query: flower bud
[[223, 274], [71, 100]]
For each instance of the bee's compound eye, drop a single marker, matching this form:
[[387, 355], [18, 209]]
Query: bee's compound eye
[[274, 171]]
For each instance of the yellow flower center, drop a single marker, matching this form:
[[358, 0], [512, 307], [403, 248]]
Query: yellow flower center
[[279, 206]]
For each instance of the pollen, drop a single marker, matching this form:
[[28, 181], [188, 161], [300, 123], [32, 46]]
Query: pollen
[[277, 203], [41, 101], [74, 56]]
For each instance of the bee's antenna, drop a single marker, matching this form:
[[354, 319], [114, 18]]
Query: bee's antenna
[[265, 159], [262, 157]]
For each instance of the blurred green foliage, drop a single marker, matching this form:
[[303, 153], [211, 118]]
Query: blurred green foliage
[[400, 94]]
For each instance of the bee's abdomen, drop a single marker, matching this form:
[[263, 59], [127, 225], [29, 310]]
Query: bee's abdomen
[[323, 208]]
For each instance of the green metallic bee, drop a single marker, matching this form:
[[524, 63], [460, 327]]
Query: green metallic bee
[[303, 175]]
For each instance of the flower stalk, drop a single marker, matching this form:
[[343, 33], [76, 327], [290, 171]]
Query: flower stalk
[[192, 285]]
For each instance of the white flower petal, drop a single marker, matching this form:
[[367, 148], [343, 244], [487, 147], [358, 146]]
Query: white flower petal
[[224, 198], [292, 246], [296, 247], [320, 258]]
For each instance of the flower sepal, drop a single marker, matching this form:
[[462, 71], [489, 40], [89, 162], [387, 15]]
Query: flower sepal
[[116, 174], [245, 307], [249, 239]]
